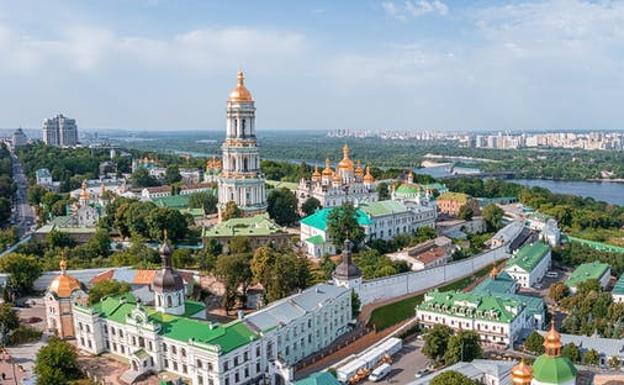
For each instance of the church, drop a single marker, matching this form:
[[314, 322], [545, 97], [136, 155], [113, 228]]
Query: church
[[332, 188]]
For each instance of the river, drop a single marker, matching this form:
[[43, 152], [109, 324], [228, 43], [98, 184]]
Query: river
[[601, 191]]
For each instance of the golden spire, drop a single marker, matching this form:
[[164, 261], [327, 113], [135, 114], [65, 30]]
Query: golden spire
[[552, 342], [346, 163], [240, 93], [63, 264], [368, 178], [521, 374], [316, 175], [327, 171], [84, 193], [337, 177], [359, 171]]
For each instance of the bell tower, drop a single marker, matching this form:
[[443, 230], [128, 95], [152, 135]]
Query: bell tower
[[241, 180]]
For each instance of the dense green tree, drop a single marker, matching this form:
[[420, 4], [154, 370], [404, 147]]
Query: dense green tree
[[463, 346], [107, 288], [172, 175], [436, 342], [57, 239], [282, 206], [452, 377], [23, 270], [571, 351], [591, 357], [9, 321], [280, 272], [342, 224], [614, 363], [137, 218], [465, 212], [310, 206], [493, 216], [35, 194], [183, 259], [355, 304], [534, 343], [558, 291], [234, 272], [142, 178], [230, 211], [56, 363], [239, 245], [383, 192], [204, 200], [160, 219]]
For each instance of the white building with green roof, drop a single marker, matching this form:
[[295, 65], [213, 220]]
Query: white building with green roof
[[380, 220], [529, 264], [497, 318], [618, 290], [601, 272], [258, 229]]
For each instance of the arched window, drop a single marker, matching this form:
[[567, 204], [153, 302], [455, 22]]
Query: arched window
[[243, 128], [169, 301], [244, 162]]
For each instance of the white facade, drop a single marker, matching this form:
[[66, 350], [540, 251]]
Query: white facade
[[241, 180], [60, 131], [526, 278]]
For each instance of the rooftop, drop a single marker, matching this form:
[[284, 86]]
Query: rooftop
[[619, 286], [319, 378], [318, 220], [257, 225], [173, 201], [485, 306], [381, 208], [227, 337], [43, 173], [529, 256], [455, 196], [587, 271]]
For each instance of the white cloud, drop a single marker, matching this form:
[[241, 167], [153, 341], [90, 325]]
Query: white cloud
[[412, 9]]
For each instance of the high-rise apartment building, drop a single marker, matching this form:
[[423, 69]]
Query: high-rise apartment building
[[60, 131]]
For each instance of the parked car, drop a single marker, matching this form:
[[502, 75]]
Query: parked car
[[380, 372], [422, 373]]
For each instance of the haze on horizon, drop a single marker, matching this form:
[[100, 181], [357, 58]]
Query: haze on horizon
[[402, 64]]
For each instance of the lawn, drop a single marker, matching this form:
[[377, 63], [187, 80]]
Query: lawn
[[395, 312]]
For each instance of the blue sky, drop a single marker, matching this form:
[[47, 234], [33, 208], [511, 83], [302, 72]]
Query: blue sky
[[404, 64]]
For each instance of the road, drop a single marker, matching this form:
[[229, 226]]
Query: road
[[24, 215], [406, 363]]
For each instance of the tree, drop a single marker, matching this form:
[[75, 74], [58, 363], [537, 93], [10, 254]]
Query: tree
[[182, 258], [465, 212], [239, 245], [57, 239], [342, 224], [280, 272], [558, 291], [310, 206], [107, 288], [142, 178], [234, 272], [230, 211], [282, 206], [137, 218], [23, 270], [614, 362], [591, 357], [35, 194], [160, 219], [172, 175], [9, 321], [534, 343], [493, 216], [571, 351], [204, 200], [452, 377], [383, 192], [463, 346], [355, 304], [436, 341], [56, 363]]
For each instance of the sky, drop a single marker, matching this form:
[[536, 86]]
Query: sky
[[422, 65]]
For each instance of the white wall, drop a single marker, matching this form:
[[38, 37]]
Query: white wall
[[401, 284]]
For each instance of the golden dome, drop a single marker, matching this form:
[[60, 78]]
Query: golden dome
[[552, 342], [84, 193], [346, 163], [240, 93], [337, 177], [368, 178], [359, 171], [64, 285], [327, 171], [316, 174], [521, 374]]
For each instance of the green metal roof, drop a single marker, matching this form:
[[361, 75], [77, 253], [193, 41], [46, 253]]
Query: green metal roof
[[553, 370], [381, 208], [619, 286], [228, 337], [279, 184], [319, 378], [486, 306], [316, 240], [408, 189], [529, 256], [257, 225], [587, 271], [173, 201], [318, 220], [455, 196], [600, 246]]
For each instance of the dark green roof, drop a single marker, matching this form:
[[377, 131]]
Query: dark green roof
[[176, 202], [587, 271], [319, 378], [553, 370], [318, 220], [228, 337], [529, 256], [315, 240]]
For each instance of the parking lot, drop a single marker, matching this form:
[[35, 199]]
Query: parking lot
[[405, 364]]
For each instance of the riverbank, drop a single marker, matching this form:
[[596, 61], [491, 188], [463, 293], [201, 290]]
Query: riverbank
[[608, 192]]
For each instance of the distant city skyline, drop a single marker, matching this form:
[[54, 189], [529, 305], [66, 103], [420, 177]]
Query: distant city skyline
[[396, 64]]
